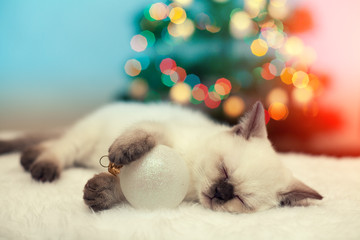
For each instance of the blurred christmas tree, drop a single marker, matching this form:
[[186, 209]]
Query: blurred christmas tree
[[223, 55]]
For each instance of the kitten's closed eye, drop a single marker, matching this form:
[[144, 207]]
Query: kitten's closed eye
[[225, 172]]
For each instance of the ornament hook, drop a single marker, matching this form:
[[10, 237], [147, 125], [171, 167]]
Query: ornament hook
[[112, 168]]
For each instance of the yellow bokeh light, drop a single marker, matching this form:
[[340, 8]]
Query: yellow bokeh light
[[177, 15], [253, 7], [294, 46], [180, 93], [138, 88], [132, 67], [278, 3], [277, 95], [300, 79], [185, 30], [278, 111], [184, 2], [287, 75], [138, 43], [159, 11], [241, 20], [234, 106], [241, 24], [259, 47], [278, 11], [303, 95]]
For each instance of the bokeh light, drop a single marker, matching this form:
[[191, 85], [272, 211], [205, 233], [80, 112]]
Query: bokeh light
[[138, 43], [278, 111], [132, 67], [234, 106], [184, 30], [259, 47], [277, 95], [212, 100], [276, 66], [278, 3], [177, 15], [192, 80], [275, 39], [241, 24], [200, 92], [167, 66], [254, 7], [138, 88], [265, 72], [300, 79], [222, 86], [213, 28], [294, 46], [159, 11], [287, 75], [178, 75], [167, 81], [300, 65], [184, 3], [302, 95], [278, 9], [180, 93]]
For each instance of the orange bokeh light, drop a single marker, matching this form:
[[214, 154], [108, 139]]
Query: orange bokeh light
[[278, 111], [287, 74]]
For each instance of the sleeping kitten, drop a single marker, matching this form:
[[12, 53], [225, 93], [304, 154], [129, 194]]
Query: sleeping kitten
[[232, 169]]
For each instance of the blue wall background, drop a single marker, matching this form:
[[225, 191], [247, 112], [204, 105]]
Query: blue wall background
[[62, 58]]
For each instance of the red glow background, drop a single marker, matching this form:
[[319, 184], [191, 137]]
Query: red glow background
[[328, 27]]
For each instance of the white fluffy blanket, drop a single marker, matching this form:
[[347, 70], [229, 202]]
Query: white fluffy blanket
[[34, 210]]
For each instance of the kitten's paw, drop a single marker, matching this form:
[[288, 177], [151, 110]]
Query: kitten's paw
[[45, 171], [129, 148], [100, 192], [29, 155]]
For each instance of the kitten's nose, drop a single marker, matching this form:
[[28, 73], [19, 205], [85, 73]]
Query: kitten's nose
[[224, 191]]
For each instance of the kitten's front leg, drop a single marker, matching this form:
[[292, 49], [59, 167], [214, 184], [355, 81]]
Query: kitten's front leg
[[102, 192], [136, 142]]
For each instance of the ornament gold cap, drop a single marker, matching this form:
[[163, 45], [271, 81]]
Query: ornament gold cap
[[112, 167]]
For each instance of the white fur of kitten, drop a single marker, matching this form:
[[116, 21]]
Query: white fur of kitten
[[232, 169]]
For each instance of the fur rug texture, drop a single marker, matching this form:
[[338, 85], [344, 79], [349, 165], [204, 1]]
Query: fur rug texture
[[34, 210]]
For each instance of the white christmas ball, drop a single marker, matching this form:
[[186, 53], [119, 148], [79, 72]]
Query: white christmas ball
[[160, 179]]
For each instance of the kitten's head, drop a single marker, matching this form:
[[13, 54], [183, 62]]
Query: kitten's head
[[241, 172]]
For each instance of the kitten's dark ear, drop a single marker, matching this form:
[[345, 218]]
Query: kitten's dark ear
[[296, 193], [253, 123]]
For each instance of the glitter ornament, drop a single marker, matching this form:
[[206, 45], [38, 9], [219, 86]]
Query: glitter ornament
[[160, 179]]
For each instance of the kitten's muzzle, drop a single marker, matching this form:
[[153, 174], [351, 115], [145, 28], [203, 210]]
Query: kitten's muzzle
[[223, 191]]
